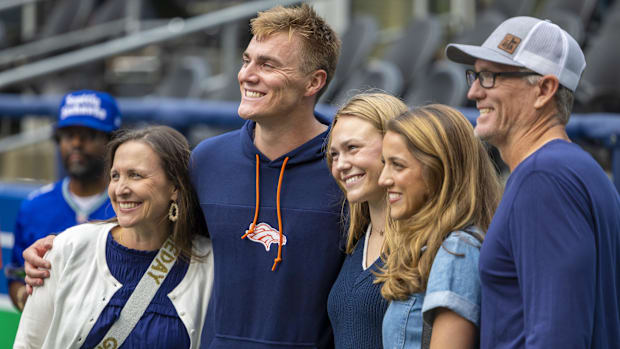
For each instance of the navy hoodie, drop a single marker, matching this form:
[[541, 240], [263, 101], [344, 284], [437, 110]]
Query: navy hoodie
[[251, 305]]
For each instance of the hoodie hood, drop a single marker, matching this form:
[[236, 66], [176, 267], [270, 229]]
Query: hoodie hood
[[309, 151]]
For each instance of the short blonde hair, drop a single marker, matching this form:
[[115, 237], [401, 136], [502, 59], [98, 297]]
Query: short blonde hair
[[464, 190], [377, 109], [320, 44]]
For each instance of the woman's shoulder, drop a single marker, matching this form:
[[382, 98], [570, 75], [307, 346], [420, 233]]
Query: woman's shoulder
[[81, 235], [203, 249], [459, 250], [453, 282], [202, 244], [78, 245], [465, 239]]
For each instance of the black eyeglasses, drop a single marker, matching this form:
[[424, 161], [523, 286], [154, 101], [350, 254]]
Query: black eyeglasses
[[487, 78]]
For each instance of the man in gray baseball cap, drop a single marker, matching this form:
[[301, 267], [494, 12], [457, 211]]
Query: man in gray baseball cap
[[549, 265]]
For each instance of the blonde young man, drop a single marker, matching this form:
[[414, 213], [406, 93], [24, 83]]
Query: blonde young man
[[549, 265], [270, 203]]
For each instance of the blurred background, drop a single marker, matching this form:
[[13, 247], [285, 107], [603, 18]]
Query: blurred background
[[175, 62]]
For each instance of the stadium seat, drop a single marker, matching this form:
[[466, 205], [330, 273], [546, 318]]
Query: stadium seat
[[582, 8], [108, 11], [184, 80], [445, 83], [486, 22], [611, 21], [67, 15], [377, 75], [357, 42], [511, 8], [227, 88], [414, 51], [599, 90]]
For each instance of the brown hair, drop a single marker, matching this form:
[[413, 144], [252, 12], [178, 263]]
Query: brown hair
[[464, 190], [173, 151], [377, 109], [320, 44]]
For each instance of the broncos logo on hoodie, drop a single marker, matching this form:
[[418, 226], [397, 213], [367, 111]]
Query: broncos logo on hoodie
[[264, 234]]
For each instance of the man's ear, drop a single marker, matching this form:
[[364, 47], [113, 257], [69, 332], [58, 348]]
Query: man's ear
[[316, 82], [546, 88]]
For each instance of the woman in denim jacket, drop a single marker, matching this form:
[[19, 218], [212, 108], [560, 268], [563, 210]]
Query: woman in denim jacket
[[442, 191]]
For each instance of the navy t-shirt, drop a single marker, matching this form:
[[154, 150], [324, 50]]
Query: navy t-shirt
[[550, 262]]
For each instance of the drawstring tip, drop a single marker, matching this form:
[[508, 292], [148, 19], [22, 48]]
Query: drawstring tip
[[250, 231], [275, 263]]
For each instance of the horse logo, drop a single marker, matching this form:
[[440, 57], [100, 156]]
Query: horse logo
[[264, 234]]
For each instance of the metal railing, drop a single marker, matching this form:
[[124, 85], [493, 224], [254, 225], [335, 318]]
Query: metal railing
[[174, 29], [8, 4], [61, 42]]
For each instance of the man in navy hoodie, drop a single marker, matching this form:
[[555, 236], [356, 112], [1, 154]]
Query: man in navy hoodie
[[271, 205]]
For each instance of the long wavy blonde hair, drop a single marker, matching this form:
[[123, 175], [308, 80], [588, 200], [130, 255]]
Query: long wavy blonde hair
[[377, 109], [464, 190]]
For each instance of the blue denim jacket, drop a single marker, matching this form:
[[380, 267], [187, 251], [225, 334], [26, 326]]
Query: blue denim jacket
[[453, 283]]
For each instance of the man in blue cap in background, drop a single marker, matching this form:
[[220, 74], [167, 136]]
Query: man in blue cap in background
[[86, 120]]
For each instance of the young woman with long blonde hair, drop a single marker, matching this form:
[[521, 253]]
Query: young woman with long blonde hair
[[442, 191], [355, 306]]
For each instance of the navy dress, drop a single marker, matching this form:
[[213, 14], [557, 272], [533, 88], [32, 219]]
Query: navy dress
[[355, 306], [160, 326]]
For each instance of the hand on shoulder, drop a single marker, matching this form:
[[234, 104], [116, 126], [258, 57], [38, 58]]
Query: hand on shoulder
[[35, 266]]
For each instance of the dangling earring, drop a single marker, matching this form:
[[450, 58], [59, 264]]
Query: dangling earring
[[173, 212]]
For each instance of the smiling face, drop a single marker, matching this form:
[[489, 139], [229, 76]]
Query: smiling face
[[402, 177], [356, 159], [502, 106], [271, 80], [139, 190]]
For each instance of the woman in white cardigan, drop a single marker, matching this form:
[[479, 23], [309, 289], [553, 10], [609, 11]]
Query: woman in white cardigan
[[141, 280]]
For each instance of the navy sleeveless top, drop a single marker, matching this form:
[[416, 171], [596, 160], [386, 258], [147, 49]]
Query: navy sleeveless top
[[160, 326]]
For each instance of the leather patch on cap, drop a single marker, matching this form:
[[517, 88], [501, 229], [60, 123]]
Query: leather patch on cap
[[509, 43]]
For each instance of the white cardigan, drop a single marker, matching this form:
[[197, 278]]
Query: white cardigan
[[61, 313]]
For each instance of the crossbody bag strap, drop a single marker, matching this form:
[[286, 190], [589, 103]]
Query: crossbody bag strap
[[141, 296]]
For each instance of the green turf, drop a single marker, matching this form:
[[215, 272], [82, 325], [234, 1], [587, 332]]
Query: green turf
[[8, 323]]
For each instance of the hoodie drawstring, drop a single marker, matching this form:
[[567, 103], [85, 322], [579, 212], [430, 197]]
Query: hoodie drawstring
[[253, 225], [279, 258]]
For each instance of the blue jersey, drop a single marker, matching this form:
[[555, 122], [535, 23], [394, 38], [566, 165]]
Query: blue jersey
[[51, 210], [550, 263]]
